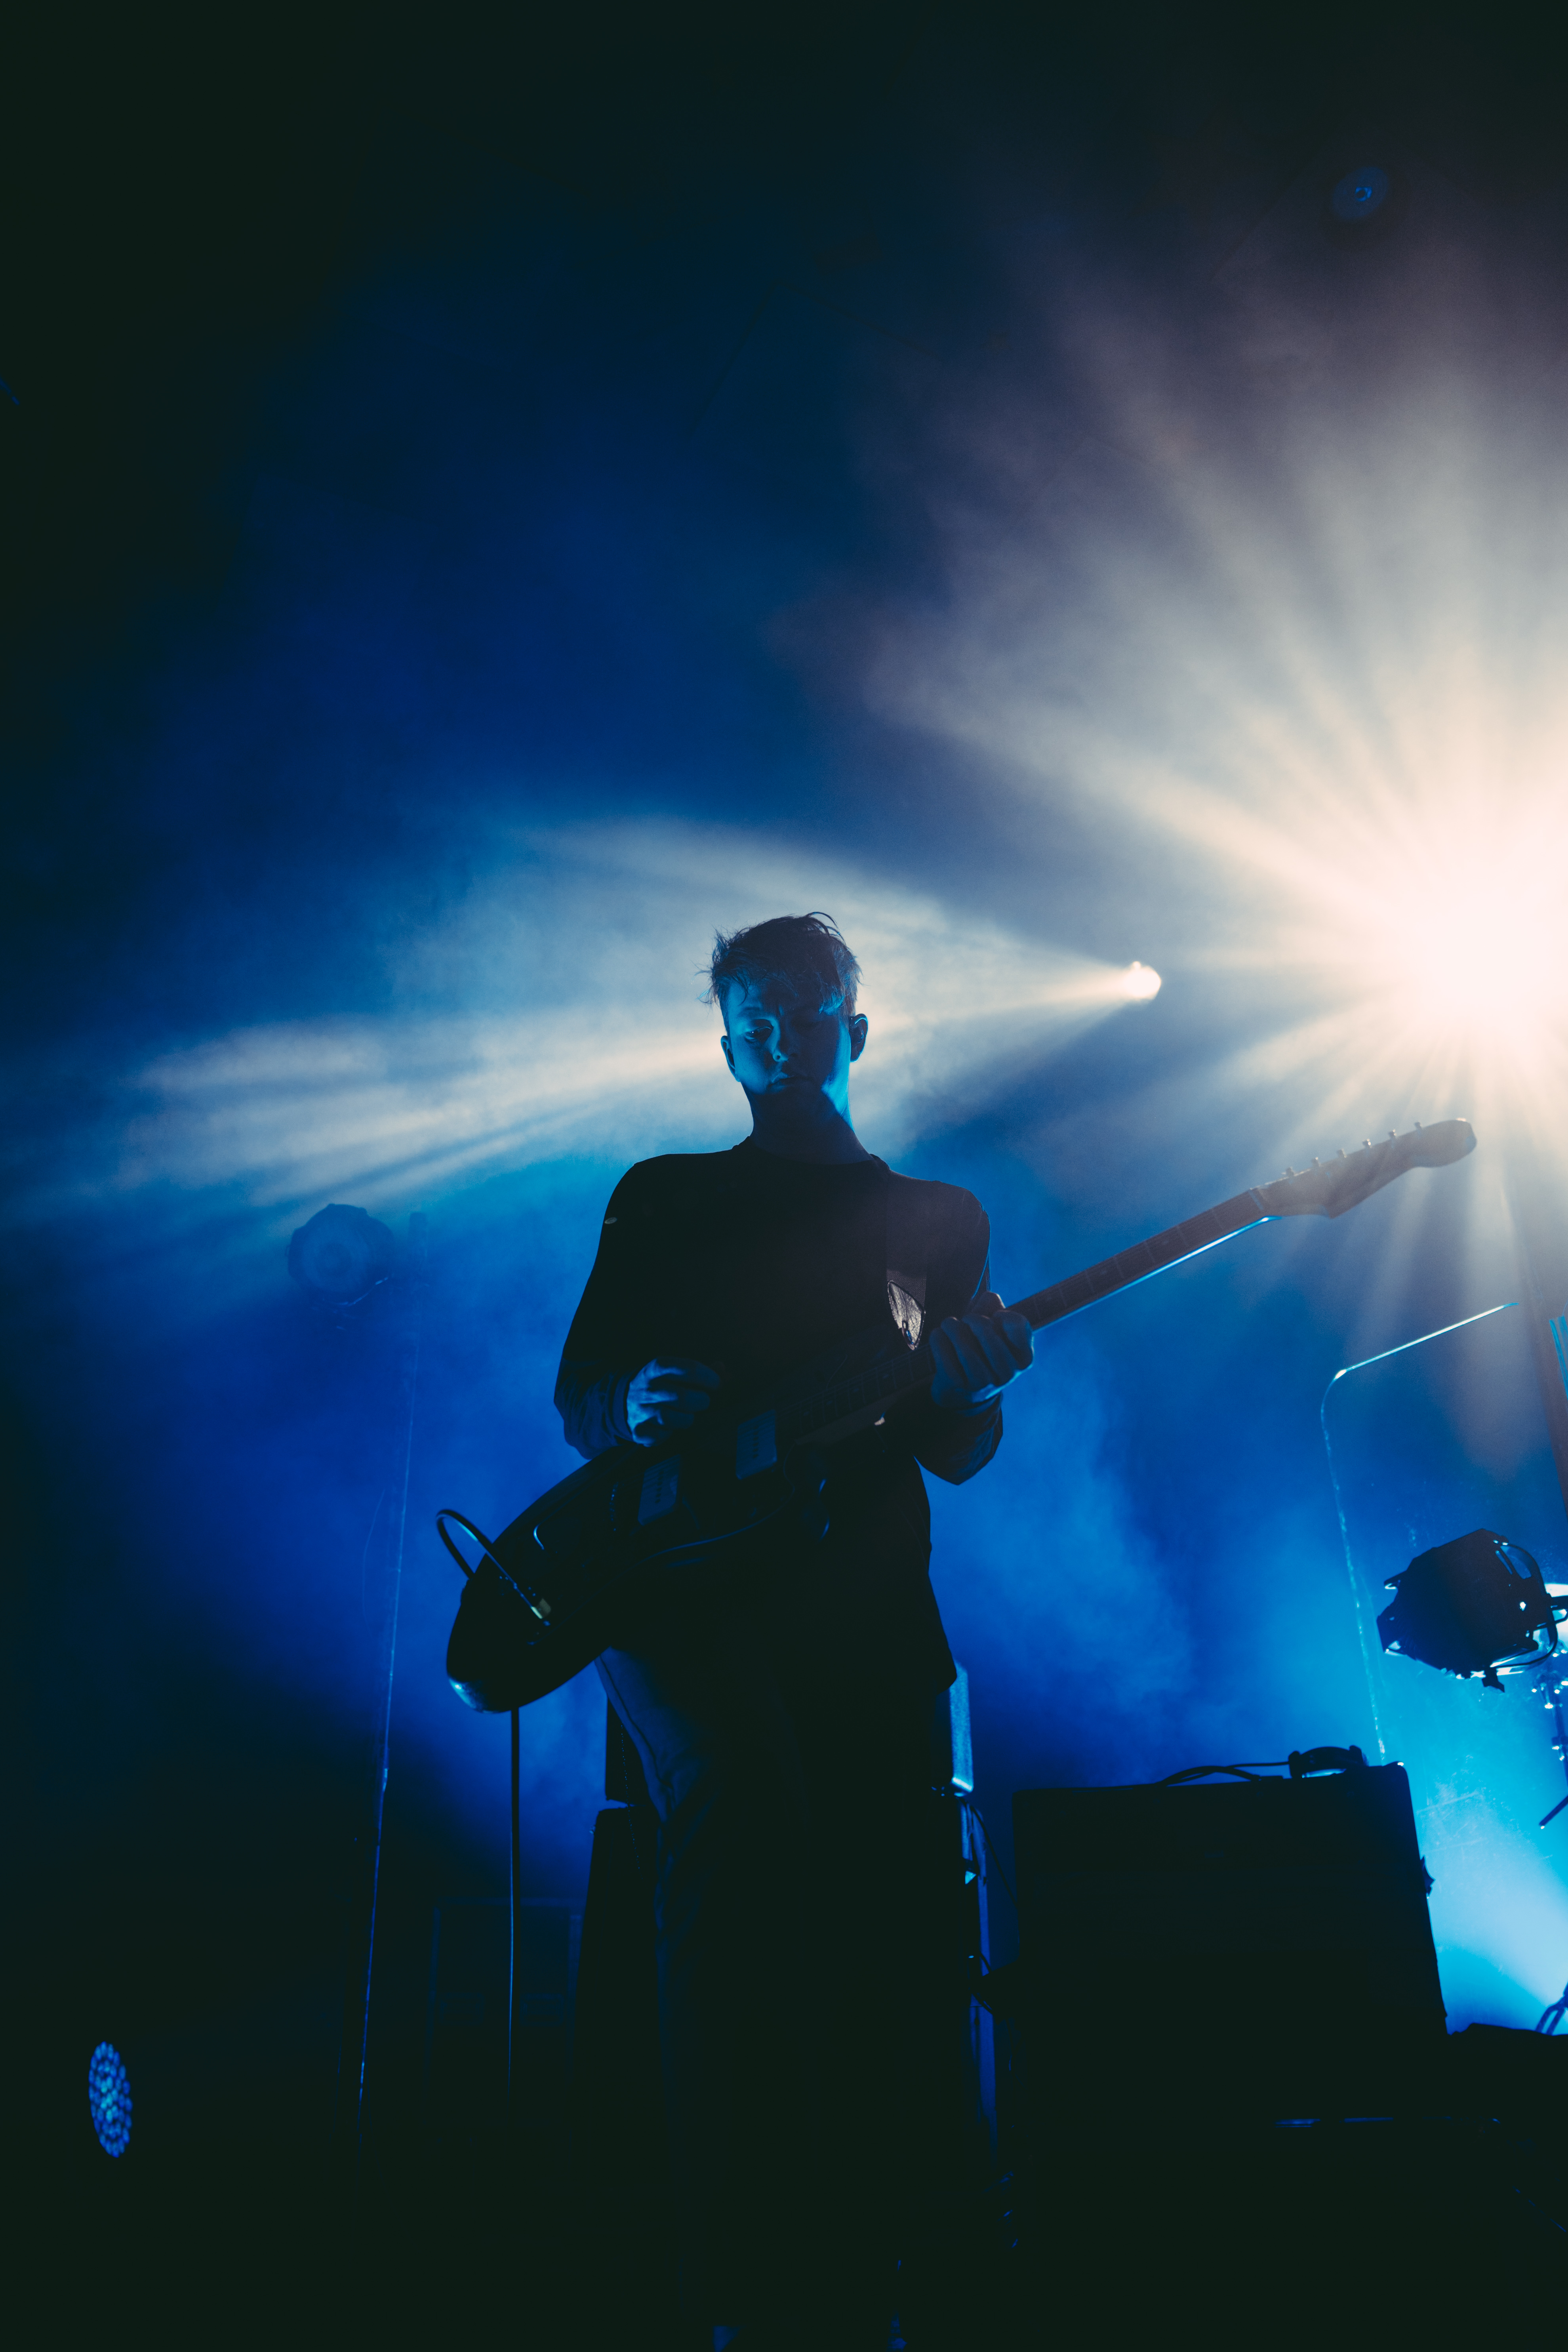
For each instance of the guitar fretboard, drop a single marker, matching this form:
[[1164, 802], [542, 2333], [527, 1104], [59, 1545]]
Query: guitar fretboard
[[1144, 1259]]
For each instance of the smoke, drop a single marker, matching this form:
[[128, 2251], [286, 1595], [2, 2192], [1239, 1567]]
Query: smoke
[[1209, 619], [553, 1011]]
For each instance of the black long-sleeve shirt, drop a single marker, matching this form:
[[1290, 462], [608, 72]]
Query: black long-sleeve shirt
[[755, 1264]]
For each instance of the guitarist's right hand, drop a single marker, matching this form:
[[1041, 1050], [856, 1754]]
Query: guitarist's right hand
[[668, 1394]]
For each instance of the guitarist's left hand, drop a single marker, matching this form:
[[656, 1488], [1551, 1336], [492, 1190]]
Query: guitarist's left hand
[[977, 1354]]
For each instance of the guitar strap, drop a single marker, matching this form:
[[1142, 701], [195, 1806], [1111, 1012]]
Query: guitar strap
[[908, 1253]]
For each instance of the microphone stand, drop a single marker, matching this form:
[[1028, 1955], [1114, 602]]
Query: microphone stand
[[349, 2116]]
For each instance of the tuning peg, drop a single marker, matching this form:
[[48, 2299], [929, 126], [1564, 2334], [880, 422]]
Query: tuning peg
[[1417, 1127], [1341, 1153], [1392, 1136], [1317, 1164], [1366, 1143]]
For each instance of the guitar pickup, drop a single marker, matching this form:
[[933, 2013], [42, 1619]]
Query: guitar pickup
[[756, 1445], [660, 1491]]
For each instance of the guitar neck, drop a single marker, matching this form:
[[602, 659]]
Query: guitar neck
[[856, 1403], [1144, 1259]]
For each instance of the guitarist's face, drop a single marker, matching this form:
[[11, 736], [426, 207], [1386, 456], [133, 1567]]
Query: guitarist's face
[[778, 1044]]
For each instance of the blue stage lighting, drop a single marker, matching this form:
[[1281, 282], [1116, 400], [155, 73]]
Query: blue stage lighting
[[1360, 194], [108, 2099]]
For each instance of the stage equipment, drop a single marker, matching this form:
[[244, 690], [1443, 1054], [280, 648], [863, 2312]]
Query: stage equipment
[[108, 2099], [1478, 1605], [552, 1586], [342, 1254], [1195, 1956]]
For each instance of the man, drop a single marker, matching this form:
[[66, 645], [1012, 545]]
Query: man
[[779, 1696]]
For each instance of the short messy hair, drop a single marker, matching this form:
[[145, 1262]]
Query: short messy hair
[[807, 950]]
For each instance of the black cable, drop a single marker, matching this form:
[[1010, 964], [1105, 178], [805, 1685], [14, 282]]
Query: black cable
[[516, 1885], [483, 1541], [525, 1592]]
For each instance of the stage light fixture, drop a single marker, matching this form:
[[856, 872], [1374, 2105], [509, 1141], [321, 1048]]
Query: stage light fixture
[[108, 2099], [1138, 982], [1360, 194], [1478, 1605], [342, 1254], [1361, 204]]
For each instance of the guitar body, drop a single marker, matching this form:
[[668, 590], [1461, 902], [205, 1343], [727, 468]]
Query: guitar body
[[553, 1585]]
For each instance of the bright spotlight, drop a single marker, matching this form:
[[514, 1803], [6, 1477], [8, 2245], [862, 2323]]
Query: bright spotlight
[[1482, 968], [1138, 982], [1473, 948]]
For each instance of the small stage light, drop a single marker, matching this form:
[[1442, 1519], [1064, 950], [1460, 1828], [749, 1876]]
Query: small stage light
[[1138, 981], [342, 1254], [108, 2099], [1360, 206], [1360, 193]]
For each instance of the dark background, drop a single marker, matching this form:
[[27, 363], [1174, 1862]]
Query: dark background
[[489, 496]]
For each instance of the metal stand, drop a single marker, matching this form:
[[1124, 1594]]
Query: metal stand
[[1553, 1684], [349, 2121], [515, 1891]]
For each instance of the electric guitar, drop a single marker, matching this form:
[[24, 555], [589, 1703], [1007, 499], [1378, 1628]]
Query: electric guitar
[[553, 1582]]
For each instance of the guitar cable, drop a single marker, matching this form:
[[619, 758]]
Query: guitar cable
[[468, 1526]]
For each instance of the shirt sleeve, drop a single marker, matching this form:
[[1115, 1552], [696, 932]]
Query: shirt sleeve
[[953, 1444], [949, 1441], [603, 1348]]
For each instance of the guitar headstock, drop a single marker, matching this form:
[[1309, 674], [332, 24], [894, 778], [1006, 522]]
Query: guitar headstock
[[1328, 1187]]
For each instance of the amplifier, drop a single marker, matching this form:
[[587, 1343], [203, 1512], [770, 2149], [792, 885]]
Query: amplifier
[[1256, 1948]]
